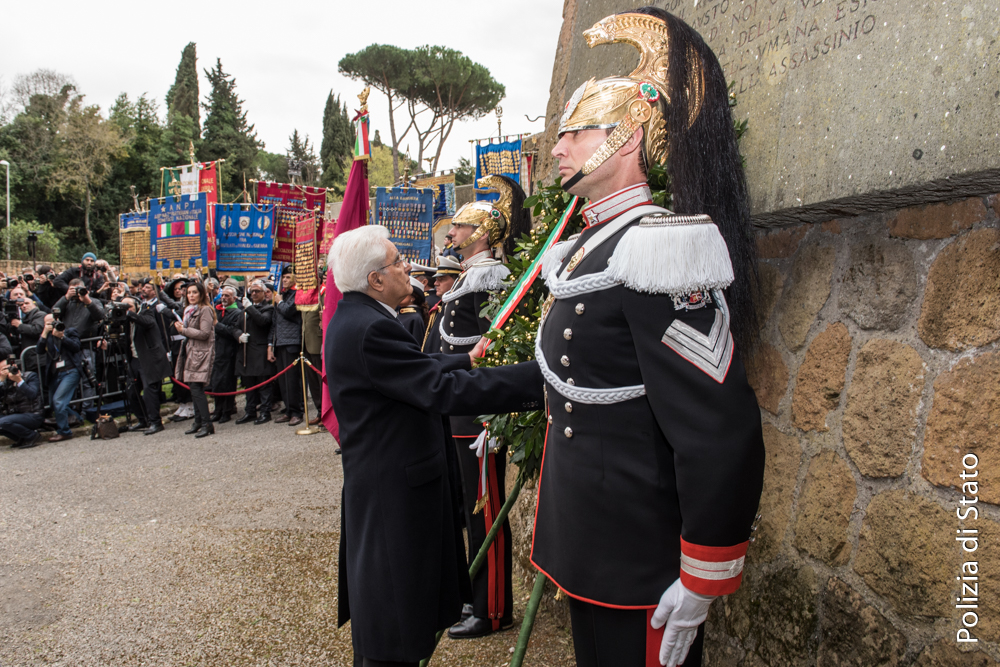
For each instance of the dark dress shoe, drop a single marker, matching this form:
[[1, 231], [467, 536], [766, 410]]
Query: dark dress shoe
[[195, 427], [175, 418], [246, 419], [214, 417], [295, 421], [59, 437], [141, 426], [32, 440], [283, 419], [263, 419], [471, 628], [155, 428], [222, 419], [337, 450], [206, 430], [314, 421], [466, 611]]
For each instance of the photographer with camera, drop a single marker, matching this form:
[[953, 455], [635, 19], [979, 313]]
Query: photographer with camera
[[62, 363], [90, 271], [21, 401], [44, 286], [80, 311], [148, 363], [26, 322]]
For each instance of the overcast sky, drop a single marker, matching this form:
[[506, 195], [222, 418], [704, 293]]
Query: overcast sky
[[284, 55]]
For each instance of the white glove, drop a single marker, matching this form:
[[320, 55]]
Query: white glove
[[479, 445], [247, 302], [683, 611], [244, 337]]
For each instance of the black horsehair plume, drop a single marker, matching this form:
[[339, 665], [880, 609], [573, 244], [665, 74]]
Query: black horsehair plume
[[520, 217], [705, 170]]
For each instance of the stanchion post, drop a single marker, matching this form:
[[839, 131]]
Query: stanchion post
[[307, 429]]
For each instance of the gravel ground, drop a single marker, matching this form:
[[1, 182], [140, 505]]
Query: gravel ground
[[170, 550]]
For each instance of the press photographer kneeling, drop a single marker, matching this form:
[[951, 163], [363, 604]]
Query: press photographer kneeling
[[21, 402]]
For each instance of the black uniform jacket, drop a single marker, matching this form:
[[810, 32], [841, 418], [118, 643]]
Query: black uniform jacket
[[624, 482], [251, 357], [153, 362], [457, 321], [412, 321], [403, 568], [432, 335], [227, 348]]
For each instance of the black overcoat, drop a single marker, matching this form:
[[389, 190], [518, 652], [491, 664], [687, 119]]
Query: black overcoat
[[401, 554], [148, 339], [251, 357], [227, 347]]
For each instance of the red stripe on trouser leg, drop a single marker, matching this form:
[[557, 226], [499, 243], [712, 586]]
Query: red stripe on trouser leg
[[653, 640], [495, 560]]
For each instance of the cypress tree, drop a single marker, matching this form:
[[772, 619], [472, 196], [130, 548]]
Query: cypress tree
[[227, 134], [338, 141], [183, 113]]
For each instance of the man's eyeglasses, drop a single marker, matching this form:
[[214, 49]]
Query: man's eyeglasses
[[398, 260]]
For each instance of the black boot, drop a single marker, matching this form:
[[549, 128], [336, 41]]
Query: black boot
[[263, 418], [195, 427], [215, 416], [207, 429], [246, 418]]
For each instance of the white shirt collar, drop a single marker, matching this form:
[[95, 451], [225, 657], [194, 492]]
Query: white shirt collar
[[617, 203], [386, 306]]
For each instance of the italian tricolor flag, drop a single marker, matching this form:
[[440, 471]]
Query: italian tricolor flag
[[178, 229]]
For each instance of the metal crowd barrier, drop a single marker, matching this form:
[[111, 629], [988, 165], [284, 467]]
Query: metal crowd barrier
[[109, 359]]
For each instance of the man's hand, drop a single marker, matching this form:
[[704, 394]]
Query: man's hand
[[683, 611], [270, 354], [244, 338], [49, 323], [14, 377], [15, 323], [102, 344], [85, 298], [178, 326], [479, 351], [247, 302]]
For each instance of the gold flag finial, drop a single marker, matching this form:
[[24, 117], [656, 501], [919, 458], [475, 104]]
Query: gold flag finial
[[363, 98], [191, 150]]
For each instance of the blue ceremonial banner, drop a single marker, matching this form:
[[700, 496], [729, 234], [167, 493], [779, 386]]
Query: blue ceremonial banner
[[178, 234], [409, 215], [245, 237], [128, 221], [503, 158]]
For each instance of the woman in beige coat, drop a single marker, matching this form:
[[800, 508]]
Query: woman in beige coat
[[194, 362]]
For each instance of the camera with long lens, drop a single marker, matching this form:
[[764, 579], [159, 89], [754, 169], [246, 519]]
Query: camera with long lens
[[114, 320], [12, 367], [12, 283], [81, 291], [59, 326]]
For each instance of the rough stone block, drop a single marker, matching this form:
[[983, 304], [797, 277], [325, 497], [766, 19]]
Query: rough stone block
[[771, 283], [937, 221], [961, 308], [780, 243], [995, 203], [825, 506], [855, 633], [783, 456], [821, 378], [880, 284], [831, 227], [965, 419], [989, 579], [906, 553], [768, 375], [881, 415], [774, 616], [806, 291], [945, 654]]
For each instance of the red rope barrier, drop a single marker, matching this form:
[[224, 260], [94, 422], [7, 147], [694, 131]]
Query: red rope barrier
[[241, 391]]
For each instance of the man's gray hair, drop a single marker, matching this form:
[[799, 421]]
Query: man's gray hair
[[355, 254], [211, 282], [230, 288]]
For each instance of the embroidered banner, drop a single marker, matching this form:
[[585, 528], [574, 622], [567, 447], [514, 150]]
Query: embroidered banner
[[408, 213], [133, 220], [444, 193], [189, 179], [290, 201], [178, 237], [329, 227], [503, 158], [306, 280], [245, 237]]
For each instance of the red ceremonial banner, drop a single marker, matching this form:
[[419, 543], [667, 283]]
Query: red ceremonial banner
[[306, 278], [290, 202], [207, 183], [329, 231]]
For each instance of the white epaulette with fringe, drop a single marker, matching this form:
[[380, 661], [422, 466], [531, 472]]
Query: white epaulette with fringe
[[485, 276], [554, 256], [672, 254]]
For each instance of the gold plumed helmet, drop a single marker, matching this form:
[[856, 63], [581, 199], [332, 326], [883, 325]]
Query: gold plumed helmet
[[489, 218], [630, 102]]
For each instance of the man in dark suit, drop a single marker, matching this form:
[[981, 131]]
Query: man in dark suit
[[21, 404], [148, 364], [402, 566]]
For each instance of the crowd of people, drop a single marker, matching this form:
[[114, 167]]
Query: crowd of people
[[68, 339]]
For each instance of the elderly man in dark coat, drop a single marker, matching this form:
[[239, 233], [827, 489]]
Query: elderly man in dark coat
[[148, 363], [403, 572], [252, 362], [227, 347]]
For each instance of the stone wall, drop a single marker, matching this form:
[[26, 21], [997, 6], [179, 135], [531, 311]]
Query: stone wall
[[879, 371]]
